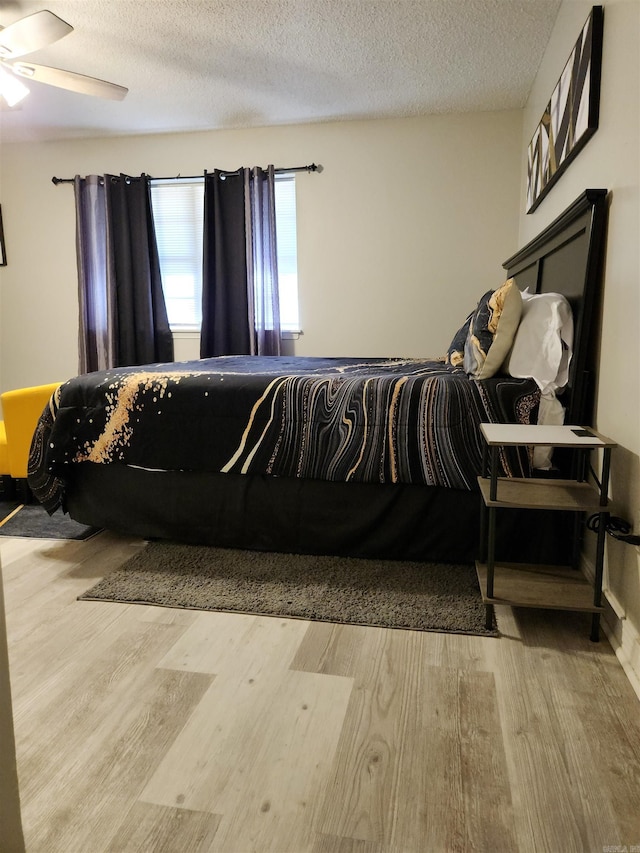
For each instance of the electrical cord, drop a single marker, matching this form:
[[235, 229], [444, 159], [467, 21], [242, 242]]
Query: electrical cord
[[616, 527]]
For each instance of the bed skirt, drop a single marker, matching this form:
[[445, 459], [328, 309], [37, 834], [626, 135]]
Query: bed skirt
[[393, 521]]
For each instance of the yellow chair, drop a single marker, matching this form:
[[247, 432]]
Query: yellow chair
[[21, 410]]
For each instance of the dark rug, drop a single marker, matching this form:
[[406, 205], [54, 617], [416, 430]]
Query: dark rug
[[384, 593], [34, 522]]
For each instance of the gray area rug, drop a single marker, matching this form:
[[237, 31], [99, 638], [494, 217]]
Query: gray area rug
[[34, 522], [384, 593]]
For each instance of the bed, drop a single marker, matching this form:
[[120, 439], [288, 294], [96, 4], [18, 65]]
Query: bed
[[367, 457]]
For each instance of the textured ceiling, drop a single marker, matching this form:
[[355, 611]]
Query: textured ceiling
[[204, 64]]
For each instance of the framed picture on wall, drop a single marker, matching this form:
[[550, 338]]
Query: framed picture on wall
[[3, 253], [572, 114]]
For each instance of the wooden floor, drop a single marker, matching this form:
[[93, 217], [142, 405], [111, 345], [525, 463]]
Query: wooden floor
[[144, 729]]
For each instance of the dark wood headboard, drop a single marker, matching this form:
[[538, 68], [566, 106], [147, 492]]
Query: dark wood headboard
[[568, 258]]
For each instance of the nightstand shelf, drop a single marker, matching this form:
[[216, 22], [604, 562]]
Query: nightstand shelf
[[549, 587], [541, 494]]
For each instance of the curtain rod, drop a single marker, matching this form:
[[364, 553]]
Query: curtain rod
[[311, 168]]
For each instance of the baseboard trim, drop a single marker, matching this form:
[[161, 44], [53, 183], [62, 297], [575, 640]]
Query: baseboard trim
[[622, 635], [625, 642]]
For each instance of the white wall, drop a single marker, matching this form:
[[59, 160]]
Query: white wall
[[399, 236], [611, 159], [11, 837]]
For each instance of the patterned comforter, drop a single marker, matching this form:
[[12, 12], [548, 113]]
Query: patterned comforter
[[341, 419]]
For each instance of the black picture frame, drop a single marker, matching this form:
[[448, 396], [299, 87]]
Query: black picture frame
[[572, 114], [3, 252]]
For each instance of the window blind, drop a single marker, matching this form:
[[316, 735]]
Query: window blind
[[178, 213]]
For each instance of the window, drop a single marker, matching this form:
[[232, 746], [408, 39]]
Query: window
[[287, 246], [178, 212]]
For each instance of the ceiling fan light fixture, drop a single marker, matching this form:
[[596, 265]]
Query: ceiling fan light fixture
[[11, 89], [33, 33], [22, 69]]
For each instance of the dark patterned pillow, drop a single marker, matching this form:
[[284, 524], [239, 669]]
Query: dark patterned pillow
[[492, 329], [455, 353]]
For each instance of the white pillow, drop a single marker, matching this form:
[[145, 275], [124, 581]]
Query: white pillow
[[542, 345]]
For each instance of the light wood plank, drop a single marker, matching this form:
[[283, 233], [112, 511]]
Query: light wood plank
[[332, 844], [165, 830], [215, 642], [338, 649], [381, 765], [168, 616], [329, 649], [486, 790], [127, 740], [258, 752]]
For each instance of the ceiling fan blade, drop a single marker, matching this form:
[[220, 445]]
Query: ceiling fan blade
[[68, 80], [32, 33]]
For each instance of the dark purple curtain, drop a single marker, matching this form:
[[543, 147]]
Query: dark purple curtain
[[143, 335], [260, 203], [225, 302], [96, 334], [123, 317], [240, 308]]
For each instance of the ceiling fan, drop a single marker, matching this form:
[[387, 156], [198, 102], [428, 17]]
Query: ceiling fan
[[33, 33]]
